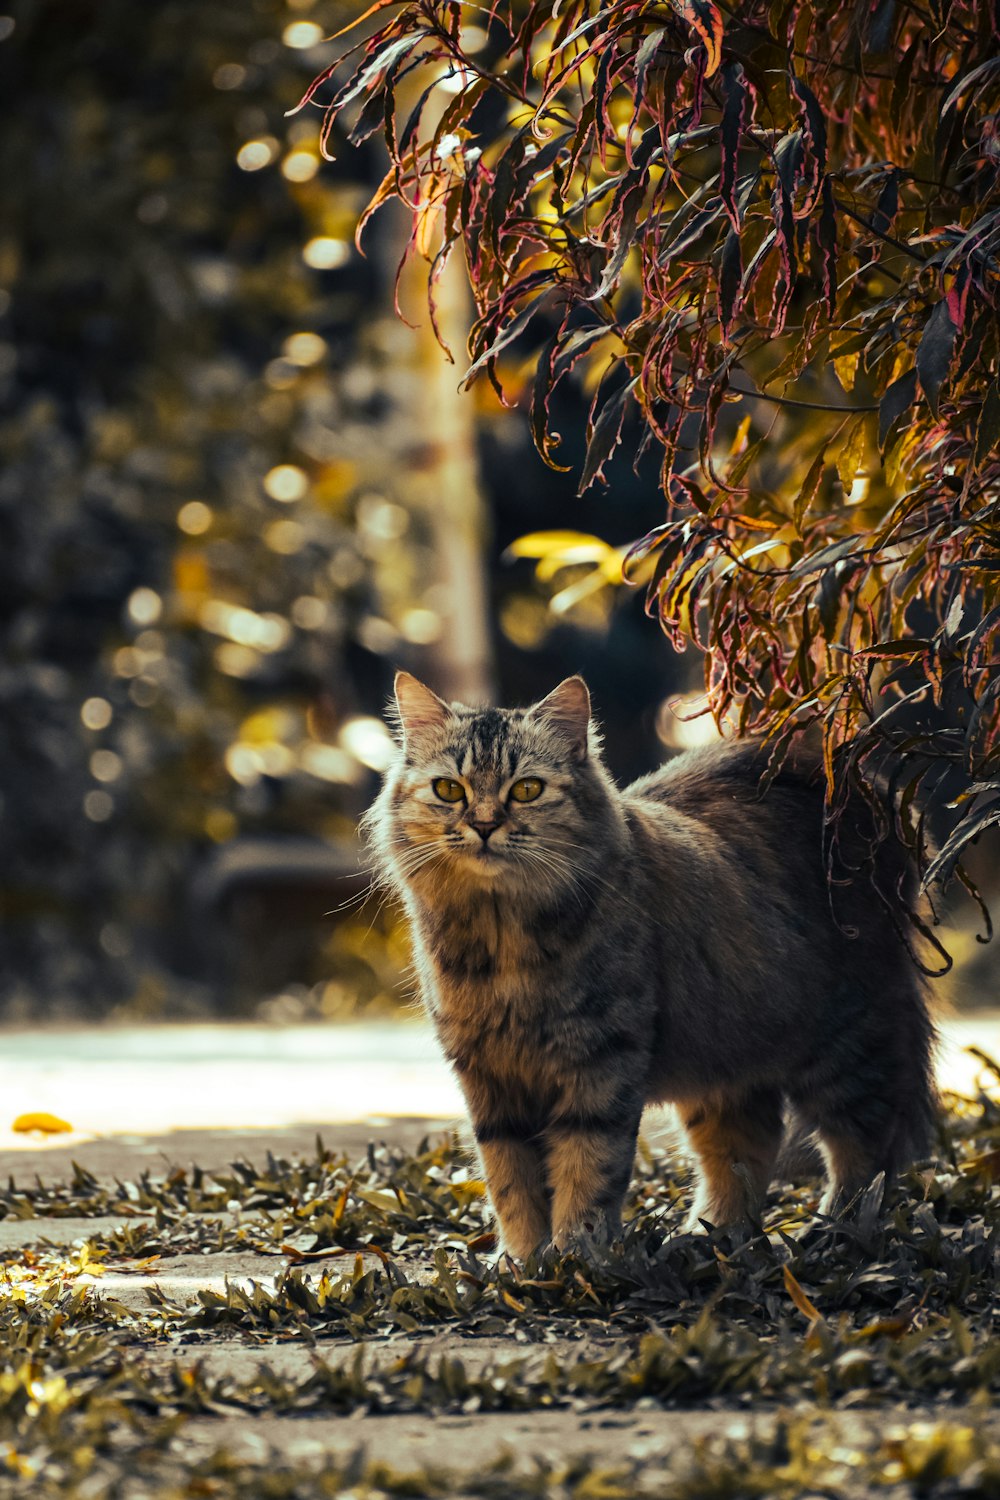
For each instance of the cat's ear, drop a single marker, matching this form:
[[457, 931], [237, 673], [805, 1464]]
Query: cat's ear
[[420, 711], [567, 711]]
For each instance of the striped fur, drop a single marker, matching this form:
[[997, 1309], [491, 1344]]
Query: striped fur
[[604, 949]]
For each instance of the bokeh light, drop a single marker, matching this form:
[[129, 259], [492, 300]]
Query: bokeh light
[[96, 713], [286, 482], [194, 518], [300, 166], [302, 34], [368, 741], [145, 606], [305, 348], [253, 155], [325, 253]]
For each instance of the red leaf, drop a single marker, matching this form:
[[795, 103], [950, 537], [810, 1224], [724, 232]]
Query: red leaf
[[541, 393], [387, 188], [958, 297], [644, 59], [736, 116], [730, 277], [826, 234], [814, 125], [787, 165], [705, 21], [606, 435]]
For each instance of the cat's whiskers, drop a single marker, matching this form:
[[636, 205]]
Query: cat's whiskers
[[585, 873], [427, 854], [423, 855], [358, 899], [376, 882], [554, 865]]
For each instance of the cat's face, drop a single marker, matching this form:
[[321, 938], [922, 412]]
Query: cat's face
[[489, 796]]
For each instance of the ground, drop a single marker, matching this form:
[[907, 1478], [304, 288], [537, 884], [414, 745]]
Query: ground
[[206, 1314]]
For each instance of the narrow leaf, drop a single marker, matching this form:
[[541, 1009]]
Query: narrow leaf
[[982, 71], [897, 399], [545, 441], [798, 1296], [934, 352], [606, 435], [705, 21], [826, 234], [887, 206], [515, 327], [942, 867], [734, 119], [988, 426], [815, 124], [825, 558], [730, 279], [810, 488], [852, 453]]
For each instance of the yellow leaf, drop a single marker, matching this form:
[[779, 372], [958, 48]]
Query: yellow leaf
[[740, 440], [846, 366], [44, 1123], [798, 1296], [568, 546], [850, 459], [386, 1203], [338, 1212], [472, 1188], [608, 571]]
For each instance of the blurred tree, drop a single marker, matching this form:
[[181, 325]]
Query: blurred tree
[[769, 230], [234, 493], [205, 558]]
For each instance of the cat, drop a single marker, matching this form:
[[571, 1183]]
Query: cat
[[584, 951]]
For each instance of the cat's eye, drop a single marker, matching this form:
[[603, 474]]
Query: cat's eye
[[528, 789], [448, 791]]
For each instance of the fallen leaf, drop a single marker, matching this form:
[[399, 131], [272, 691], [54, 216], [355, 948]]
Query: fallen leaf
[[44, 1123], [799, 1297]]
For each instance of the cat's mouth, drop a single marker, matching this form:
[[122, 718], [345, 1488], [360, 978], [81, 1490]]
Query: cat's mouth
[[485, 858]]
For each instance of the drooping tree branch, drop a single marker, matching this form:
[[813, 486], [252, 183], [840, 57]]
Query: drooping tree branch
[[718, 198]]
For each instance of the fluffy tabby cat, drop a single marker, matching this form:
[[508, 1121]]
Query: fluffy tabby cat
[[584, 951]]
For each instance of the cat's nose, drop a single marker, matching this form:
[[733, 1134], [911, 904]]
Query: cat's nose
[[485, 826]]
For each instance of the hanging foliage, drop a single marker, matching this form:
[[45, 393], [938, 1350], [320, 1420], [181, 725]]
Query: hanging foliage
[[766, 235]]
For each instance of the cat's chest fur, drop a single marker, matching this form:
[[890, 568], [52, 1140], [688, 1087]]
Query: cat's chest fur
[[495, 981]]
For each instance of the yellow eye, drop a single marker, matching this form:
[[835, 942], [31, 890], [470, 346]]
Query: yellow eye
[[527, 790], [448, 791]]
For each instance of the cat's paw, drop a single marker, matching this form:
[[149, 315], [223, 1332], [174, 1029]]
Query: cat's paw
[[519, 1252], [697, 1222], [585, 1238]]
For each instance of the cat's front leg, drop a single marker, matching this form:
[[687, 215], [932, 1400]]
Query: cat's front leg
[[511, 1150], [590, 1157], [515, 1179]]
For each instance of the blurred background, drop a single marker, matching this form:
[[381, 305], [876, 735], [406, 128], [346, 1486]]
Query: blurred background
[[236, 493]]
